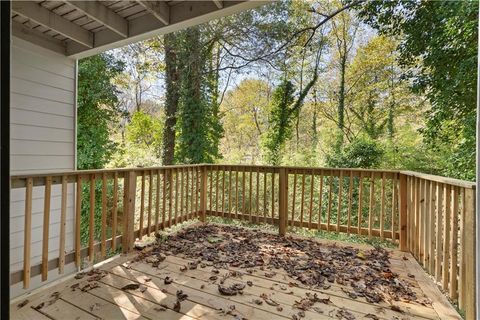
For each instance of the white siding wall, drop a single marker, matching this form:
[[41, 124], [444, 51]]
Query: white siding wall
[[42, 140]]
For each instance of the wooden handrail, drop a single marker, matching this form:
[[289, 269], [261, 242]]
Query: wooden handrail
[[430, 216]]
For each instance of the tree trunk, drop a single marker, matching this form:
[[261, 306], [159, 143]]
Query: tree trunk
[[341, 101], [172, 88]]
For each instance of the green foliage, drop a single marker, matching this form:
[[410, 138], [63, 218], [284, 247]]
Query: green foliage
[[144, 131], [439, 44], [361, 153], [244, 118], [280, 120], [97, 110]]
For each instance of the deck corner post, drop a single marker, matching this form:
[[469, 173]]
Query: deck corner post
[[130, 190], [470, 253], [203, 194], [282, 203], [403, 212]]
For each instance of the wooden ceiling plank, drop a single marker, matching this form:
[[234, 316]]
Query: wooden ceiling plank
[[97, 11], [48, 19], [159, 9]]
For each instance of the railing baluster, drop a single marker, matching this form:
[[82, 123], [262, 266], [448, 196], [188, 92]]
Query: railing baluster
[[230, 193], [236, 193], [175, 219], [142, 205], [393, 208], [78, 213], [182, 180], [294, 202], [446, 236], [427, 222], [320, 198], [454, 247], [330, 189], [371, 211], [91, 221], [157, 201], [431, 226], [339, 202], [250, 186], [115, 211], [63, 218], [312, 181], [169, 172], [382, 209], [302, 199], [104, 216], [243, 192], [350, 196], [150, 196], [211, 189], [273, 195], [223, 192], [216, 189], [258, 196], [265, 196], [27, 240], [438, 231], [187, 190], [46, 226], [360, 203]]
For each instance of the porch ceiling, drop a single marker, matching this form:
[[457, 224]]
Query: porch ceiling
[[83, 28]]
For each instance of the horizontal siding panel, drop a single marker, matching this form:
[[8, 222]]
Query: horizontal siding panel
[[26, 132], [40, 162], [35, 118], [37, 233], [53, 246], [51, 63], [17, 223], [27, 72], [42, 91], [27, 147], [26, 102]]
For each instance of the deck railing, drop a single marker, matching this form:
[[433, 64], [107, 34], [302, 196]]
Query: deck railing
[[432, 217]]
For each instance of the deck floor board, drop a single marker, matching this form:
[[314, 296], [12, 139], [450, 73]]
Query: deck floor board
[[154, 299]]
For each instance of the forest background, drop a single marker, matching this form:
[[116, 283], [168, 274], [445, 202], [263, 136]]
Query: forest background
[[370, 84]]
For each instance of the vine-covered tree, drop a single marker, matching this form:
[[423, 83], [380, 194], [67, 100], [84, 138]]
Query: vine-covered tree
[[97, 110]]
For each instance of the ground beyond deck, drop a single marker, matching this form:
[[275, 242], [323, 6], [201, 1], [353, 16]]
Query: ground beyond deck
[[267, 294]]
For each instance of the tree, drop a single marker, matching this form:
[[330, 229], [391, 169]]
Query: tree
[[97, 110], [344, 30], [439, 45], [197, 125], [172, 91], [285, 109], [244, 119]]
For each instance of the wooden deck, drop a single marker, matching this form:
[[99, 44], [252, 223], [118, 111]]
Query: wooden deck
[[100, 295]]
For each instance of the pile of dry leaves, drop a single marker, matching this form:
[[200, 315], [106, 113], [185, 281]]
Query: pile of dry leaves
[[361, 274]]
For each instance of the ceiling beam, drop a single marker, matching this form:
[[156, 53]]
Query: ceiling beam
[[182, 15], [98, 12], [49, 19], [158, 9], [218, 3], [38, 38]]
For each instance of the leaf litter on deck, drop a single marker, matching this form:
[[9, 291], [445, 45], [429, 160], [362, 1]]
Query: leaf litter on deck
[[360, 273]]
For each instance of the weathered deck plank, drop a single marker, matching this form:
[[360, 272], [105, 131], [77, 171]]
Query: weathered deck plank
[[156, 299]]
